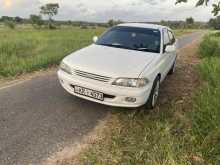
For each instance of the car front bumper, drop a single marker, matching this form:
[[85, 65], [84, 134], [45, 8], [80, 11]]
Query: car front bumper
[[114, 95]]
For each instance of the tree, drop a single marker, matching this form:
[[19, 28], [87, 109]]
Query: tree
[[69, 22], [173, 24], [7, 18], [18, 19], [50, 10], [36, 20], [112, 22], [189, 21], [215, 5], [9, 24], [215, 23]]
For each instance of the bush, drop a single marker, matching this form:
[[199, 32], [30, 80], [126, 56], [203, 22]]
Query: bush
[[84, 27], [36, 21], [52, 27], [217, 34], [210, 46], [10, 24]]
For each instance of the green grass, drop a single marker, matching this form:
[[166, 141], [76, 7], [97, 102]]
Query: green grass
[[211, 45], [206, 117], [26, 50], [169, 136], [154, 138]]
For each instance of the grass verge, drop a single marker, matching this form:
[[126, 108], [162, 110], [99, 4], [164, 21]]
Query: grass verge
[[206, 123]]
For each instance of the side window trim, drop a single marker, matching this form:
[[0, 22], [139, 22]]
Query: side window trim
[[172, 41], [165, 30]]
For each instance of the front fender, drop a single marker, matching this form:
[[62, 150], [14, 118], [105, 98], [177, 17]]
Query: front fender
[[151, 71]]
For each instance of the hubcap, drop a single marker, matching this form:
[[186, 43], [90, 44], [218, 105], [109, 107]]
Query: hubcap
[[156, 93]]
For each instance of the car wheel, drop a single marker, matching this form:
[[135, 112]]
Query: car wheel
[[152, 100], [173, 69]]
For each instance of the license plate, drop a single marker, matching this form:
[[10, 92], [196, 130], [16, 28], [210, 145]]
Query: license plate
[[89, 93]]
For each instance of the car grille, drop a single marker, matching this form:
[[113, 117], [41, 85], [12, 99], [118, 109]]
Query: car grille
[[92, 76]]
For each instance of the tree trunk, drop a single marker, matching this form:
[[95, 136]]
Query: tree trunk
[[50, 22]]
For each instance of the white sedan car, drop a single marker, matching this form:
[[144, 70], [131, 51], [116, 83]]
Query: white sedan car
[[124, 67]]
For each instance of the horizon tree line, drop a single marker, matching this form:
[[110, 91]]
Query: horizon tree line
[[51, 9]]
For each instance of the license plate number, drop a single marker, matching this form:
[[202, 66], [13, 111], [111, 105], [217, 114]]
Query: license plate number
[[89, 93]]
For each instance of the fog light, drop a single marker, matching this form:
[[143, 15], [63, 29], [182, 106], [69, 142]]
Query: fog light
[[130, 99]]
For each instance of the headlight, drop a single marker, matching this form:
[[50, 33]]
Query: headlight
[[64, 67], [131, 82]]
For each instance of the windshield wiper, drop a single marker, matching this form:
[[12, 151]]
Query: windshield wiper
[[116, 45], [143, 49], [146, 49]]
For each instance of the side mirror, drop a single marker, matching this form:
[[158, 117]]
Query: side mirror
[[95, 39], [170, 48]]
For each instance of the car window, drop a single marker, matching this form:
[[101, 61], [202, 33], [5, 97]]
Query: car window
[[166, 38], [171, 36], [141, 39]]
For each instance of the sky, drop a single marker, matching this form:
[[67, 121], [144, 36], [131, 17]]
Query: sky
[[103, 10]]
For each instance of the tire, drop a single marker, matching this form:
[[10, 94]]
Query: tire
[[152, 100], [173, 68]]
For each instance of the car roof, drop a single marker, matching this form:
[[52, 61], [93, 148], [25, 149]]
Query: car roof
[[144, 25]]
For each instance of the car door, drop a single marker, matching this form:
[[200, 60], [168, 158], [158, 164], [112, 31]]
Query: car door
[[165, 56]]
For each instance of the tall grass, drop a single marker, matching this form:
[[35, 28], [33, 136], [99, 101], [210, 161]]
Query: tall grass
[[26, 50], [156, 138], [206, 114], [211, 45]]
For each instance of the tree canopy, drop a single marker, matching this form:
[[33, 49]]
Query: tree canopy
[[36, 20], [190, 20], [214, 23], [215, 5], [50, 9], [113, 22]]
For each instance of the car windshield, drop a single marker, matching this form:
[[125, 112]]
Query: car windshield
[[141, 39]]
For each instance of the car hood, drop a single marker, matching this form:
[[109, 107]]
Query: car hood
[[110, 61]]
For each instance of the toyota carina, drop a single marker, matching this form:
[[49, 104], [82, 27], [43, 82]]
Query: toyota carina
[[124, 67]]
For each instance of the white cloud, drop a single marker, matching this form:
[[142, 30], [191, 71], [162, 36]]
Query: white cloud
[[101, 11]]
